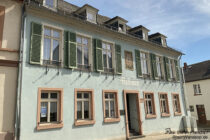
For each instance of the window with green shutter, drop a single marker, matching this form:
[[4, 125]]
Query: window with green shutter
[[36, 37], [153, 65], [72, 51], [98, 60], [138, 63], [166, 65], [66, 48], [118, 59]]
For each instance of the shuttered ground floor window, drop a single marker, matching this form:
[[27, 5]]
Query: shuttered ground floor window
[[49, 108]]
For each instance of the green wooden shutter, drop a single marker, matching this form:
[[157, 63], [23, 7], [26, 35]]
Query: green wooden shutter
[[118, 59], [66, 47], [72, 50], [36, 37], [153, 65], [167, 74], [177, 69], [138, 63], [98, 55], [94, 54]]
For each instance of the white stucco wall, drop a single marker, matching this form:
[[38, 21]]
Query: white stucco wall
[[199, 99]]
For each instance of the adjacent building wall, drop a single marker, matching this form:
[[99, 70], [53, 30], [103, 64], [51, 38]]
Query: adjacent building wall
[[8, 65], [199, 99]]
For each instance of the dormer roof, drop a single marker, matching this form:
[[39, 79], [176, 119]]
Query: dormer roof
[[116, 18], [140, 27], [86, 6], [157, 35]]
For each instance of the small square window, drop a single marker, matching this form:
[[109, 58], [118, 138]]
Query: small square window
[[191, 108]]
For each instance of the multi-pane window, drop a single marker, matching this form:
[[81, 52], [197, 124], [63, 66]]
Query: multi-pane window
[[170, 65], [49, 108], [107, 56], [51, 46], [159, 66], [164, 107], [110, 102], [197, 89], [50, 3], [149, 105], [82, 52], [176, 104], [84, 110], [110, 107], [144, 62], [128, 60], [83, 105]]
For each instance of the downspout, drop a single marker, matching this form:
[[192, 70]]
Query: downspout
[[187, 113], [19, 80]]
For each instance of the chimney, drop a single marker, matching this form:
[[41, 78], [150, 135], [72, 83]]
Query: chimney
[[185, 65]]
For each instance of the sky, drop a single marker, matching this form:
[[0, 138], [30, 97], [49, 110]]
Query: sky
[[186, 23]]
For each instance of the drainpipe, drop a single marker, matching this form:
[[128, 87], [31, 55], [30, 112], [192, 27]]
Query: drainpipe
[[19, 80], [187, 113]]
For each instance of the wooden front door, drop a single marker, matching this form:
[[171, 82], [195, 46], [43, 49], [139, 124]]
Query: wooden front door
[[201, 114]]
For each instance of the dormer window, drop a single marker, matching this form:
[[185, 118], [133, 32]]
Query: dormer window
[[117, 23], [91, 16], [159, 39], [52, 4], [140, 32], [88, 13]]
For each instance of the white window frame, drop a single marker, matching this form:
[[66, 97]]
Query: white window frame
[[110, 100], [49, 100], [52, 28], [144, 61], [171, 68], [106, 50], [159, 65], [197, 89], [148, 109], [163, 99], [83, 106], [83, 45], [176, 104]]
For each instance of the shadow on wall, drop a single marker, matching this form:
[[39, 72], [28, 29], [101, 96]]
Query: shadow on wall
[[8, 86]]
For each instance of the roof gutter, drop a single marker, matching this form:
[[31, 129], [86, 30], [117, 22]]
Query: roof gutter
[[19, 80]]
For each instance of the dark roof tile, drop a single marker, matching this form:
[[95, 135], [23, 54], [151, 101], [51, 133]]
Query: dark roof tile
[[198, 71]]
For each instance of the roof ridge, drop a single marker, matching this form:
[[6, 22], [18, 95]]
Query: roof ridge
[[199, 63]]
